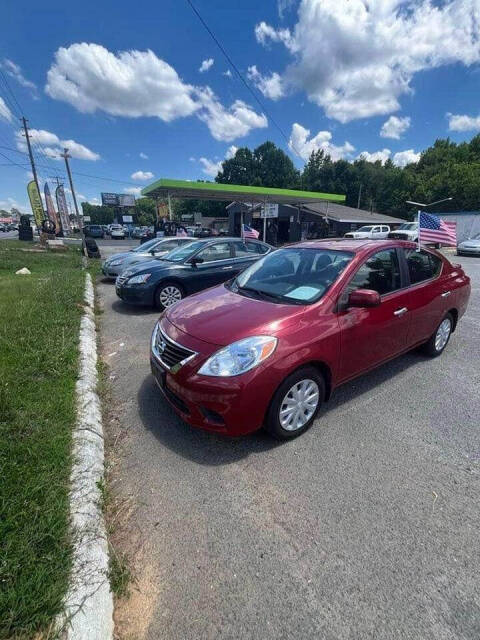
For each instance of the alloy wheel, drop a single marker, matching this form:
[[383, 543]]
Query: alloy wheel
[[443, 333], [299, 405], [169, 295]]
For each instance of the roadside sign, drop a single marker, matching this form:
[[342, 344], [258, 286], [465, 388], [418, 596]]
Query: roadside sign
[[127, 218], [86, 218], [269, 210]]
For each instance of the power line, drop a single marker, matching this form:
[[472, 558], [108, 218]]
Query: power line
[[239, 74]]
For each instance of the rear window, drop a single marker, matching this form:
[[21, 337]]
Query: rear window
[[422, 265]]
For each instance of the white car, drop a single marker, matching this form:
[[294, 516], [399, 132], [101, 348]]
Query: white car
[[406, 231], [117, 232], [370, 231]]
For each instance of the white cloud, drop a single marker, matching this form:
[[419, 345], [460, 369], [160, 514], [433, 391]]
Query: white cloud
[[227, 73], [264, 32], [211, 168], [53, 146], [5, 111], [131, 83], [192, 159], [15, 71], [383, 155], [142, 175], [143, 156], [283, 6], [135, 191], [301, 143], [356, 59], [457, 122], [10, 203], [394, 127], [228, 124], [271, 86], [402, 158], [139, 84], [206, 65]]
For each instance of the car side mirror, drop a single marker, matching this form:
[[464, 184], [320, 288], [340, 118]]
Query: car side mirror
[[195, 261], [364, 298]]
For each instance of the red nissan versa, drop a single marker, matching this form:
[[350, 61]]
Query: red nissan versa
[[267, 348]]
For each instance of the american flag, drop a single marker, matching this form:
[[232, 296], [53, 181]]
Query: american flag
[[248, 232], [434, 229]]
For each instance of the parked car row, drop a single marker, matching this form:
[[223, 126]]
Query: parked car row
[[5, 227]]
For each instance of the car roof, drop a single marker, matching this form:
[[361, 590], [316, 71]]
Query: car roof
[[351, 244]]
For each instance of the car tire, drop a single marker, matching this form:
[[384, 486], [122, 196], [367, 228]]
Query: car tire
[[440, 338], [167, 294], [305, 381]]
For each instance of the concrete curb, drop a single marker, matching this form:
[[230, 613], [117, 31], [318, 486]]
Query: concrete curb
[[89, 601]]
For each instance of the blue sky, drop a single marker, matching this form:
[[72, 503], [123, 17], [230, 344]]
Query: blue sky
[[120, 84]]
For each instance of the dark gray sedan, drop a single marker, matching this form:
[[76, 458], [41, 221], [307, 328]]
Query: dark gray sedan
[[155, 248]]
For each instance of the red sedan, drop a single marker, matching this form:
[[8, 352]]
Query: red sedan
[[268, 348]]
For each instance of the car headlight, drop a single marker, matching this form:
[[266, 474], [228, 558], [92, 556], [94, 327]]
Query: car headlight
[[141, 279], [115, 263], [239, 357]]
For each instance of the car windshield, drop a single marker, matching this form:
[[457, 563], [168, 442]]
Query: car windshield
[[292, 275], [366, 228], [407, 226], [146, 246], [183, 252], [476, 236]]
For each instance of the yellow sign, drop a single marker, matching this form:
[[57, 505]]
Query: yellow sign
[[36, 203]]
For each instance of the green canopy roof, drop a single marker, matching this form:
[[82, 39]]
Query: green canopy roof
[[216, 191]]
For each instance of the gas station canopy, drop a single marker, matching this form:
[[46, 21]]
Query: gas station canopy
[[165, 188]]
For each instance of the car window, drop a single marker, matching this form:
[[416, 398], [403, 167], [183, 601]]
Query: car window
[[381, 272], [241, 249], [215, 252], [422, 265], [166, 246], [256, 247]]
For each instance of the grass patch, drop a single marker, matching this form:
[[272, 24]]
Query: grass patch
[[39, 323]]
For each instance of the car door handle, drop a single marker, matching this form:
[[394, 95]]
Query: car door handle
[[225, 268], [446, 294], [400, 312]]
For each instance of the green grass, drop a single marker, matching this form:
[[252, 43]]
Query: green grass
[[39, 323]]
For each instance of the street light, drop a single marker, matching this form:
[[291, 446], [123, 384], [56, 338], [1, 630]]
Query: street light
[[420, 204]]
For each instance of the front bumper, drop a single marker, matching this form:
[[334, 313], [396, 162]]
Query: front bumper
[[468, 251], [234, 406], [140, 295], [111, 272]]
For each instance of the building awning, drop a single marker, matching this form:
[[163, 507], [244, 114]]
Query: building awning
[[342, 213], [165, 188]]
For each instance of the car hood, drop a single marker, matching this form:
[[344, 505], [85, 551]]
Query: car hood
[[147, 266], [116, 256], [220, 317], [470, 243]]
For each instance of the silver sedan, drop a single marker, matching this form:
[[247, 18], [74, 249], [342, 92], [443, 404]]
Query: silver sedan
[[155, 248], [470, 247]]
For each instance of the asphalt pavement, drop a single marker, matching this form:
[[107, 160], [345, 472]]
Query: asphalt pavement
[[367, 526]]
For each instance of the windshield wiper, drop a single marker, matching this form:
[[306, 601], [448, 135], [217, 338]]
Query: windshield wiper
[[276, 297]]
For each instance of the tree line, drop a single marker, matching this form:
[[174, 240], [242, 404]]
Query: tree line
[[445, 170]]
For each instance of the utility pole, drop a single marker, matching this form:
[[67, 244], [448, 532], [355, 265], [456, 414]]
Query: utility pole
[[65, 156], [32, 161], [359, 196]]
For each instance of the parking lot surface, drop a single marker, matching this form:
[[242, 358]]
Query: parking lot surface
[[364, 527]]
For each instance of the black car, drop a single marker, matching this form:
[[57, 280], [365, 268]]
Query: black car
[[186, 270], [93, 231]]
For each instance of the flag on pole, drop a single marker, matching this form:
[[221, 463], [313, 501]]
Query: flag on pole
[[432, 228], [248, 232]]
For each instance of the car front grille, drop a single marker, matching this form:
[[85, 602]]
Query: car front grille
[[120, 280], [168, 352]]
